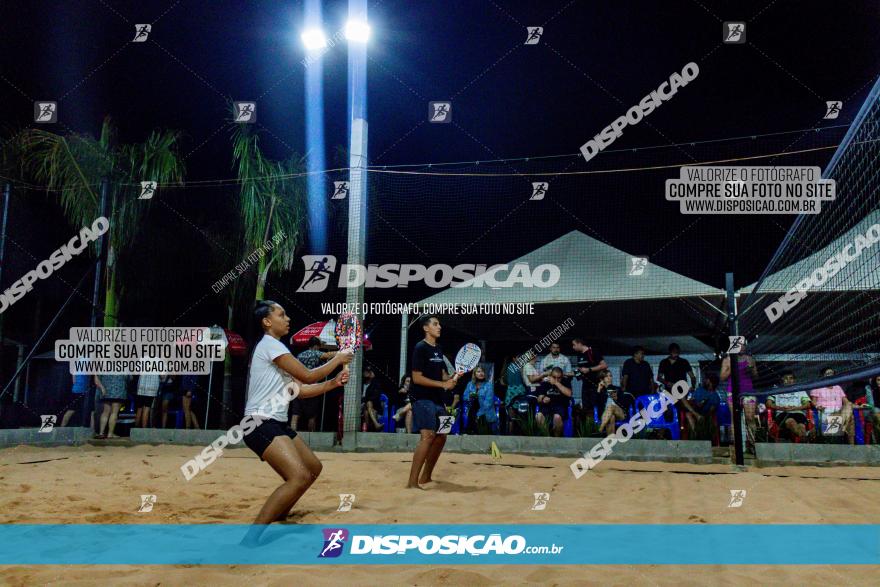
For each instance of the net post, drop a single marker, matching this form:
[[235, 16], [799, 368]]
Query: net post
[[733, 325]]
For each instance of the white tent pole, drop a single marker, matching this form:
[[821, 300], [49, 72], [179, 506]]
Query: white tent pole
[[404, 333]]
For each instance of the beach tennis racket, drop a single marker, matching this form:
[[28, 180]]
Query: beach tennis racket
[[467, 358], [348, 333]]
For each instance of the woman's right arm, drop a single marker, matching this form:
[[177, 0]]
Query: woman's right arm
[[300, 372], [725, 369]]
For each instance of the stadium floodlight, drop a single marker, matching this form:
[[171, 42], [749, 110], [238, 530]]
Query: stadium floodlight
[[314, 39], [357, 31]]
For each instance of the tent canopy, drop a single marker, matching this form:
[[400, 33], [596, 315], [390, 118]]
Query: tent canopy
[[861, 274], [590, 271], [597, 292]]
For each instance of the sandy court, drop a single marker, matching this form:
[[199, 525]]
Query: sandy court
[[92, 484]]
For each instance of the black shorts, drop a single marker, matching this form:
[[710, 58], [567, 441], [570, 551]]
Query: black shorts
[[549, 410], [781, 417], [143, 401], [426, 415], [263, 435]]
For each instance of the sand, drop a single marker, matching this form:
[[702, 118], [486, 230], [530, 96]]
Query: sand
[[102, 484]]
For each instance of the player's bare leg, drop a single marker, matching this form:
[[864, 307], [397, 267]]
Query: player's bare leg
[[419, 457], [433, 455]]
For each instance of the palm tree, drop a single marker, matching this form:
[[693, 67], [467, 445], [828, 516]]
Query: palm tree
[[73, 166], [272, 209]]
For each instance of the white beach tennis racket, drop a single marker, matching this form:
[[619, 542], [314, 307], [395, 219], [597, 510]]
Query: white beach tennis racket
[[467, 358]]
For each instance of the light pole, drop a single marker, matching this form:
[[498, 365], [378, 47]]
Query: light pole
[[357, 31]]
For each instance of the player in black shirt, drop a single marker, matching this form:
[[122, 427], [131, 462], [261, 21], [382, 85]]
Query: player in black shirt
[[429, 382]]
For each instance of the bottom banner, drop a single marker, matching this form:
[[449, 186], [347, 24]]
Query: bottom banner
[[607, 544]]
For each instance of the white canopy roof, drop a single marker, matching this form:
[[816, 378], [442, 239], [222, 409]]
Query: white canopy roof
[[861, 274], [590, 271]]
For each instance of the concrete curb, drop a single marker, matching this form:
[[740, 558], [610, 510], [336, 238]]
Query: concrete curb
[[785, 453], [67, 436]]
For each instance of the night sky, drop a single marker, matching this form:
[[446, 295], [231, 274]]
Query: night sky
[[510, 101]]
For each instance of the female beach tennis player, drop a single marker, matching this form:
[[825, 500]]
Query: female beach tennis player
[[273, 368]]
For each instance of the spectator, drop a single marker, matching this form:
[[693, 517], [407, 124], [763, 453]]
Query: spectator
[[372, 401], [874, 401], [556, 359], [481, 399], [614, 403], [860, 397], [403, 395], [675, 368], [703, 403], [747, 372], [790, 408], [166, 390], [147, 390], [188, 385], [832, 401], [513, 379], [636, 375], [113, 395], [590, 365], [530, 375], [553, 400], [308, 408], [75, 398]]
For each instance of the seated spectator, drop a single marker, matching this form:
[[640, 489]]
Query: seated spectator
[[636, 376], [673, 369], [874, 401], [372, 401], [553, 400], [861, 398], [703, 403], [481, 398], [615, 406], [790, 408], [403, 396], [513, 379], [831, 401]]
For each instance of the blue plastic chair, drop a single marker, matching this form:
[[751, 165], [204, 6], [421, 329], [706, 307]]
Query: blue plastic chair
[[643, 401], [386, 421], [858, 415]]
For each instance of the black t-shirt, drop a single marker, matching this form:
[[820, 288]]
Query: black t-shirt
[[557, 398], [590, 358], [429, 361], [373, 394], [639, 377], [674, 372]]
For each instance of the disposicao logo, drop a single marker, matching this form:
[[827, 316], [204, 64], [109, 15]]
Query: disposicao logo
[[320, 268], [334, 542]]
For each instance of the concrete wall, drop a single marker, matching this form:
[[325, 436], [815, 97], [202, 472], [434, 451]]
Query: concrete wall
[[785, 453], [58, 436], [691, 451], [637, 450]]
